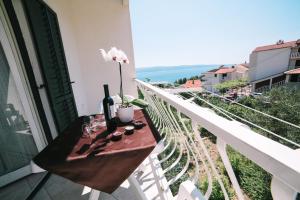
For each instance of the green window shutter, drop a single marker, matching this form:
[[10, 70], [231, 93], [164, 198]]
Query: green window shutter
[[49, 47]]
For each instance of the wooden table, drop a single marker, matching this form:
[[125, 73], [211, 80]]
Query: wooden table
[[102, 164]]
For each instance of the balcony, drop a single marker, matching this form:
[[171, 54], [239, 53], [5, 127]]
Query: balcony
[[186, 155], [295, 55], [185, 165]]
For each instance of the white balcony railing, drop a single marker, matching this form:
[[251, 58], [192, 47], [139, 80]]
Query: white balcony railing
[[263, 89], [295, 55], [280, 83], [184, 143]]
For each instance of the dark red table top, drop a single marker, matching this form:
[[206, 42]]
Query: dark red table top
[[99, 163]]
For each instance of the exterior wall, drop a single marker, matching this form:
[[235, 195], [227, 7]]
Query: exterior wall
[[292, 64], [268, 63], [210, 81], [85, 28], [227, 78], [240, 73]]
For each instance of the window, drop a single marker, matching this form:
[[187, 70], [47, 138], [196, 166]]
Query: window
[[215, 75], [224, 75], [295, 78], [297, 64]]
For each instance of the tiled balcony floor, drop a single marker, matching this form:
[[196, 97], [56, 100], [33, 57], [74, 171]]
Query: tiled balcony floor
[[21, 188], [58, 188]]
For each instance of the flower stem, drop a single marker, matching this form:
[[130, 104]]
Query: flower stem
[[121, 83]]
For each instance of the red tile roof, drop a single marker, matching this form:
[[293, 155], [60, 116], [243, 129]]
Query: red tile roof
[[293, 71], [212, 71], [245, 65], [275, 46], [224, 70], [192, 84]]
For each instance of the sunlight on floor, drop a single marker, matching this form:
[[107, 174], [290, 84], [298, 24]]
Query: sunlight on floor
[[125, 184], [86, 190]]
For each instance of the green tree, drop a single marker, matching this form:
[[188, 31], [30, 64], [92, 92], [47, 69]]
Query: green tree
[[232, 84]]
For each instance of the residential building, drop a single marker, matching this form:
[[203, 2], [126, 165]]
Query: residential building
[[269, 63], [241, 71], [51, 72], [210, 79], [293, 73], [222, 74]]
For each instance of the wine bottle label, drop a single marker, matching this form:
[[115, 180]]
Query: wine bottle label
[[112, 111]]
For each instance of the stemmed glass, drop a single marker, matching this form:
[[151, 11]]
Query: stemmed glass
[[101, 120], [86, 130], [92, 118]]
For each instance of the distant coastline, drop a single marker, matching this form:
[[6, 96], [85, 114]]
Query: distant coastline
[[182, 65], [172, 73]]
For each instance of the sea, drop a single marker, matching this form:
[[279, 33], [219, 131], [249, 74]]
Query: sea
[[171, 73]]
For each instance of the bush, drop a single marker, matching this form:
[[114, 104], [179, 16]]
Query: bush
[[255, 181]]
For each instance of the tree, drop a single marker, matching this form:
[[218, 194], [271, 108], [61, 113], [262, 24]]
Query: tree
[[232, 84]]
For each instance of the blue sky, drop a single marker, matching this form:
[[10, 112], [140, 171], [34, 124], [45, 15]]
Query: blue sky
[[185, 32]]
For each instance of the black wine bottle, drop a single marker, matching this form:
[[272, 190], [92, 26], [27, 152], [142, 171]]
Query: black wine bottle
[[109, 111]]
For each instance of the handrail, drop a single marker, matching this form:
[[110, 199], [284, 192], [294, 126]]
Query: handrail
[[295, 55], [275, 158]]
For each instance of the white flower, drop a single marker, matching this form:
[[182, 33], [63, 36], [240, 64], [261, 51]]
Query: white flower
[[114, 54]]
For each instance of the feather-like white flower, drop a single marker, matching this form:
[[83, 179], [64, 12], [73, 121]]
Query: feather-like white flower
[[123, 57], [105, 55], [114, 54]]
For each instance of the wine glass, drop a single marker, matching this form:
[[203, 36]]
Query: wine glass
[[86, 130], [101, 121], [91, 118]]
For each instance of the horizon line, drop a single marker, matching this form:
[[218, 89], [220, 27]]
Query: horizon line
[[183, 65]]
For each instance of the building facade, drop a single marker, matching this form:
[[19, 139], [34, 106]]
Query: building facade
[[222, 74], [268, 64]]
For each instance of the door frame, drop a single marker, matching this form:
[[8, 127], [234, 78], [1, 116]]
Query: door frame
[[35, 67], [16, 66], [19, 42], [49, 103]]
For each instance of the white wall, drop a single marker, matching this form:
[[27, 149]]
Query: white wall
[[87, 26], [268, 63], [240, 73], [210, 81]]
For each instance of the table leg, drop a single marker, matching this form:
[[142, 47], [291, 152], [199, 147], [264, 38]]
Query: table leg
[[141, 168], [136, 187], [95, 194]]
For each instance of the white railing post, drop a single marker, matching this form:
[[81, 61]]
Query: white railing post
[[295, 55], [281, 191], [188, 191], [136, 188], [221, 145], [210, 161]]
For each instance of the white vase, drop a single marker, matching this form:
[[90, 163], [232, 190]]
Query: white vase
[[125, 114]]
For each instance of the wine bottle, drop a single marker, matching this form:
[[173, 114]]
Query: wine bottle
[[109, 111]]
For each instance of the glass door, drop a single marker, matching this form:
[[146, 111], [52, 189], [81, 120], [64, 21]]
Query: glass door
[[18, 130]]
